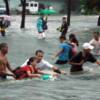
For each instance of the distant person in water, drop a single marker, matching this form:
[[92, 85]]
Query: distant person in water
[[43, 64], [4, 64], [96, 42], [64, 27], [82, 57], [41, 27]]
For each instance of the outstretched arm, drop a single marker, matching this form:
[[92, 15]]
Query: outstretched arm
[[58, 71], [75, 63], [55, 55], [30, 75]]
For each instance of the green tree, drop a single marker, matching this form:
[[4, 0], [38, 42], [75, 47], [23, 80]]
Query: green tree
[[90, 6]]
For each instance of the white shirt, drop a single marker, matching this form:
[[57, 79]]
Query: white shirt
[[96, 44], [43, 64]]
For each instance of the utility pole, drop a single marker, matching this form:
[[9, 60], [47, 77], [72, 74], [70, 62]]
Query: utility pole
[[7, 7], [68, 12], [23, 14]]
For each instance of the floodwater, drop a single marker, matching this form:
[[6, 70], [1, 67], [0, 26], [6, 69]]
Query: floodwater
[[23, 44]]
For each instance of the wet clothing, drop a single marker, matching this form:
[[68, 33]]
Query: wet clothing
[[2, 27], [78, 58], [61, 62], [74, 49], [64, 28], [21, 72], [96, 44], [43, 64], [40, 25], [45, 27], [3, 76], [64, 56]]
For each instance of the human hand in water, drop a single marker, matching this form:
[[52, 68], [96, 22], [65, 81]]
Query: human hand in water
[[37, 75], [55, 75], [63, 72]]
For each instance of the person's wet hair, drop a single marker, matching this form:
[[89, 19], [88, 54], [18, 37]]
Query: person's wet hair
[[71, 36], [2, 45], [62, 37], [74, 39], [38, 51], [31, 59]]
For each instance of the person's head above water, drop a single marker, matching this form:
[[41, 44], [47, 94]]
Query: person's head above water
[[96, 35], [32, 61], [64, 18], [62, 39], [39, 55], [4, 48]]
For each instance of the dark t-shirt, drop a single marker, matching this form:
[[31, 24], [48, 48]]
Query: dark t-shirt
[[64, 28], [78, 58]]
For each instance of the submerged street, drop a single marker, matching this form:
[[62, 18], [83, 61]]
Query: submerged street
[[23, 44]]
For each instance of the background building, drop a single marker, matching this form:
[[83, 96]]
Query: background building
[[58, 5]]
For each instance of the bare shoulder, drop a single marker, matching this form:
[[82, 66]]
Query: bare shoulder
[[3, 59]]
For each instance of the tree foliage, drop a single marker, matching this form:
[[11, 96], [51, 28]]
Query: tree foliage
[[90, 6]]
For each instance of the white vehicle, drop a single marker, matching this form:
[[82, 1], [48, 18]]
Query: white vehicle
[[2, 9], [32, 7]]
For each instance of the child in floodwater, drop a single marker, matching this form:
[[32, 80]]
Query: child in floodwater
[[28, 71]]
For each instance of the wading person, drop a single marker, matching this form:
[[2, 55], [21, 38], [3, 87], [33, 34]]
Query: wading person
[[4, 64], [41, 27], [43, 64], [74, 42], [64, 27], [64, 51], [82, 57], [28, 71]]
